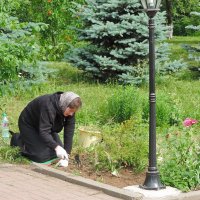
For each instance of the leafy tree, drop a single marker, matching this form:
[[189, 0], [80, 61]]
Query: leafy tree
[[57, 15], [19, 50], [116, 37]]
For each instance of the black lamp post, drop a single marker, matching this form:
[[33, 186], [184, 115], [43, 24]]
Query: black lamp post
[[152, 181]]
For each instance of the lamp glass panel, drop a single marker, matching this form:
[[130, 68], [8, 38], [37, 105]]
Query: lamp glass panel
[[158, 2], [144, 3], [151, 3]]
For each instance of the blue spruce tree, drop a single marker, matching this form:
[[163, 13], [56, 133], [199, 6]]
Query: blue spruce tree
[[115, 33]]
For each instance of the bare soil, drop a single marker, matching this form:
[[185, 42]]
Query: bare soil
[[125, 177]]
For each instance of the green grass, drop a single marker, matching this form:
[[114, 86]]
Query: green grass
[[184, 39]]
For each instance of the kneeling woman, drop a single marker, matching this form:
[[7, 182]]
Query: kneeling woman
[[41, 121]]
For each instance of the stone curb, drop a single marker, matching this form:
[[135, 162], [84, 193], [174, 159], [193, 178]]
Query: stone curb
[[107, 189]]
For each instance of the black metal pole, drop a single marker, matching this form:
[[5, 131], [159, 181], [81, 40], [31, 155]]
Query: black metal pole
[[152, 98], [152, 181]]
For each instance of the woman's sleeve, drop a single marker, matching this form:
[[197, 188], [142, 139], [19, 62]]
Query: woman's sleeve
[[69, 127]]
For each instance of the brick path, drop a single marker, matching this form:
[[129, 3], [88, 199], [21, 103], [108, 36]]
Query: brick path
[[18, 183]]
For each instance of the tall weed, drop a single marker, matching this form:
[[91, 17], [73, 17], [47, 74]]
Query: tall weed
[[11, 154], [122, 104], [168, 112]]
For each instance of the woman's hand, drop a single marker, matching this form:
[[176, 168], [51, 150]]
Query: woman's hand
[[61, 153], [62, 163]]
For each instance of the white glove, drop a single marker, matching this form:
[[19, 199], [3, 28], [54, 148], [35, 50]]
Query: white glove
[[61, 153], [62, 163]]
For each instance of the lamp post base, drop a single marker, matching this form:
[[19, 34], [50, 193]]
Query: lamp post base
[[152, 181]]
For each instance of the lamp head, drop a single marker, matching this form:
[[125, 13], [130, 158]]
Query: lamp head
[[151, 4]]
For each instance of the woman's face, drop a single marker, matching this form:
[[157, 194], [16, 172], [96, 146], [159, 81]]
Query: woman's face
[[69, 111]]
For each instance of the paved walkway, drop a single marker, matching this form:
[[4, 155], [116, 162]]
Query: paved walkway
[[18, 183]]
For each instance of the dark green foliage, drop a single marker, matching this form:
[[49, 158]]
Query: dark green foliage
[[116, 36], [179, 27], [179, 12]]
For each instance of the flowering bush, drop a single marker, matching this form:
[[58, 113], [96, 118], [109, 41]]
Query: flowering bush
[[180, 153]]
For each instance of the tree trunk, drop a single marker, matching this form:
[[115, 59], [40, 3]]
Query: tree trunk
[[169, 18]]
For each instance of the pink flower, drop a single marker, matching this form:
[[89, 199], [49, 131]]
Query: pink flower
[[189, 122]]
